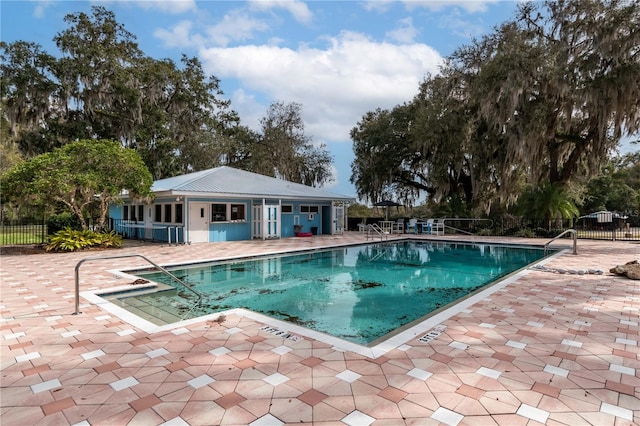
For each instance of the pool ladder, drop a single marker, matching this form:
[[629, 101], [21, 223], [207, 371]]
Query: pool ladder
[[121, 256], [568, 231], [374, 228]]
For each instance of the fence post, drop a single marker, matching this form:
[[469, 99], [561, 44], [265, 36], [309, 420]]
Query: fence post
[[45, 231]]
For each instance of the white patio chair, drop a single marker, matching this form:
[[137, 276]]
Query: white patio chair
[[438, 227], [412, 226]]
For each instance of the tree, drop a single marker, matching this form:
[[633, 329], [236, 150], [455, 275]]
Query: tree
[[284, 151], [387, 165], [542, 100], [77, 175], [104, 87], [99, 73], [9, 152], [561, 83], [432, 145], [549, 202], [616, 188]]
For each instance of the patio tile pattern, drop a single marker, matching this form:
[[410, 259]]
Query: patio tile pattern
[[554, 349]]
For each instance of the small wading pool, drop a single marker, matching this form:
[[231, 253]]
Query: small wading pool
[[356, 293]]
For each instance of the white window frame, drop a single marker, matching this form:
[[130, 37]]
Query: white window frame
[[228, 210], [309, 208], [163, 216]]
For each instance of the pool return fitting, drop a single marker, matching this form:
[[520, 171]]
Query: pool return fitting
[[160, 268]]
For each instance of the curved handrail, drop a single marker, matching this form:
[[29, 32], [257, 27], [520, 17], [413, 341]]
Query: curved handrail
[[458, 230], [471, 219], [566, 231], [120, 256]]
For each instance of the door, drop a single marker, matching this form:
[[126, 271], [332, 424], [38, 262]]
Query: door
[[337, 218], [265, 221], [271, 221], [256, 221], [148, 222], [198, 222]]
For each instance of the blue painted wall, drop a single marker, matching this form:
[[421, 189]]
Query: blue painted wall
[[234, 231]]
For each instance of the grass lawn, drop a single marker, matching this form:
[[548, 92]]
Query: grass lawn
[[23, 234]]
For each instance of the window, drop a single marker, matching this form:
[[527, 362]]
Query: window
[[237, 212], [308, 209], [140, 212], [228, 212], [218, 212], [169, 211], [287, 208], [125, 213], [178, 213]]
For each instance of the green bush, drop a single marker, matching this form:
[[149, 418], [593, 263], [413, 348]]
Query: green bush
[[525, 233], [62, 221], [72, 240], [486, 232]]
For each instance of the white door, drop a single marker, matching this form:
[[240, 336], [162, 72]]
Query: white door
[[148, 223], [198, 222], [271, 221], [337, 218], [256, 221], [265, 221]]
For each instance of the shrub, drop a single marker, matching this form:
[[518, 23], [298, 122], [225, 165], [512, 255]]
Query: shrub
[[62, 221], [71, 240], [486, 232], [525, 233]]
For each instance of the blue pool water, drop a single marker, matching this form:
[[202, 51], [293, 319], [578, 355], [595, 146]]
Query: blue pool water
[[357, 293]]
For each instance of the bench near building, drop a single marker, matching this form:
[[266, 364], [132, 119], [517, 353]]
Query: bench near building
[[227, 204]]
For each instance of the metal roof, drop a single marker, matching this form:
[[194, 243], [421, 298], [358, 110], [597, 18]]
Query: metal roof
[[227, 181]]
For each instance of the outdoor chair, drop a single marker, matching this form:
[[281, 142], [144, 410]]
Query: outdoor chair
[[427, 226], [438, 227], [412, 225]]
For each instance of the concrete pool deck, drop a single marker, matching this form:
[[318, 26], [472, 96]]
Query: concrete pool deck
[[546, 348]]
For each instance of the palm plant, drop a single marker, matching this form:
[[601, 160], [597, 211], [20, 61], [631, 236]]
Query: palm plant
[[549, 201]]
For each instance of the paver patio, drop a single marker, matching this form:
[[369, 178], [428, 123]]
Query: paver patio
[[548, 348]]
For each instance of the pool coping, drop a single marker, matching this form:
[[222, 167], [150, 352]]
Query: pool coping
[[426, 325]]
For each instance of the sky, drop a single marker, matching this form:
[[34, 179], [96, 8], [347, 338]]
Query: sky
[[338, 59]]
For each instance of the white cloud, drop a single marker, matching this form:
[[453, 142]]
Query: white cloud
[[235, 26], [379, 6], [456, 24], [178, 36], [168, 6], [404, 33], [252, 110], [41, 6], [336, 85], [298, 9], [471, 6]]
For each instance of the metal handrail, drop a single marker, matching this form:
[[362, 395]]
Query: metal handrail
[[567, 231], [470, 219], [77, 273], [375, 228], [458, 230]]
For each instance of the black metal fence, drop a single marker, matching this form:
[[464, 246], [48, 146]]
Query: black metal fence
[[618, 229], [36, 231], [20, 233]]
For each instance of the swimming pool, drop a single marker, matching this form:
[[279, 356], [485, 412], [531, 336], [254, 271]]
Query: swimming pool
[[357, 293]]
